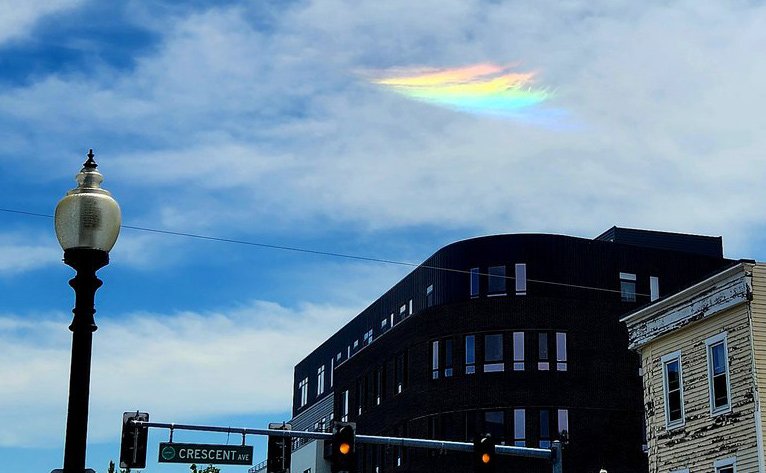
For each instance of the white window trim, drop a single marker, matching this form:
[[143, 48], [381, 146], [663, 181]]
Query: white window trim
[[725, 462], [676, 355], [721, 337]]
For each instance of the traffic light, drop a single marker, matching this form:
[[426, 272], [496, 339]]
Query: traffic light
[[484, 454], [134, 438], [343, 449], [278, 457]]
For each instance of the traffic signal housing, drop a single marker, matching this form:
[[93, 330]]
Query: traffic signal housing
[[134, 439], [278, 456], [484, 454], [343, 458]]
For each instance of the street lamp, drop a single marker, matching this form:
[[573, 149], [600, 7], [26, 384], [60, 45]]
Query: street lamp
[[87, 224]]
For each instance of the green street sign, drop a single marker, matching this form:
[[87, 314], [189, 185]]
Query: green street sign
[[205, 453]]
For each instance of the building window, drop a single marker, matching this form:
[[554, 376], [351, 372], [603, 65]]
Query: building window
[[718, 373], [361, 394], [448, 358], [561, 351], [545, 428], [654, 288], [521, 279], [367, 338], [344, 406], [430, 295], [673, 388], [519, 428], [435, 359], [496, 286], [320, 381], [727, 465], [563, 424], [384, 323], [380, 384], [628, 287], [332, 370], [518, 351], [493, 353], [410, 306], [542, 352], [470, 354], [402, 311], [494, 424], [303, 387], [356, 343], [399, 372], [392, 319], [474, 282]]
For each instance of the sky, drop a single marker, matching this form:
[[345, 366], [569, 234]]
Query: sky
[[378, 129]]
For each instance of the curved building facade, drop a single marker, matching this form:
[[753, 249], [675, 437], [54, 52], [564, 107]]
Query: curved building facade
[[513, 335]]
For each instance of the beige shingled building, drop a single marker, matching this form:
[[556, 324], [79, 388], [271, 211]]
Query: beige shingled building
[[703, 363]]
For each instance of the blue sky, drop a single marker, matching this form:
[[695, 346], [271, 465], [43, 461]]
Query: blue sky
[[253, 121]]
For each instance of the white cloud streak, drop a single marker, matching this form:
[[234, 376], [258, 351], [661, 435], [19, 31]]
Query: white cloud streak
[[185, 365], [17, 17]]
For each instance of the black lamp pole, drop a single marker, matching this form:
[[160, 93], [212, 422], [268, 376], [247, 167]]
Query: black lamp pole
[[87, 225], [86, 261]]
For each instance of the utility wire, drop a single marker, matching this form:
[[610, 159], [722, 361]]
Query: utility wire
[[327, 253]]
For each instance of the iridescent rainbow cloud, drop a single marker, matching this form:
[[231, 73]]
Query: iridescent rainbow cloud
[[481, 88]]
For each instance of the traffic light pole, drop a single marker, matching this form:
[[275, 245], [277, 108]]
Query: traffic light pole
[[553, 454]]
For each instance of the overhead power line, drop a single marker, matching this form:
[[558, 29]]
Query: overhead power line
[[324, 253]]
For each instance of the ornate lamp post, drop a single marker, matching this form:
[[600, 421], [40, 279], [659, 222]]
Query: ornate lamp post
[[87, 224]]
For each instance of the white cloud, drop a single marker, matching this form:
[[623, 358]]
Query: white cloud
[[185, 365], [268, 129], [20, 253], [17, 17]]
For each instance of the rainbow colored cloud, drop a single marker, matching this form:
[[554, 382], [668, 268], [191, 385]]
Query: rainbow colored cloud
[[482, 88]]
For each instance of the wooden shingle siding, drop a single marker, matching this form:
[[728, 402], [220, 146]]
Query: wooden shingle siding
[[758, 313], [703, 438]]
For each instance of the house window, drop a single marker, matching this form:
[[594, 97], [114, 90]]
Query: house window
[[474, 282], [435, 359], [521, 279], [496, 284], [718, 373], [545, 428], [303, 387], [673, 388], [561, 351], [320, 381], [628, 287], [470, 354], [430, 295], [519, 428], [654, 288], [493, 353], [518, 351], [448, 358], [542, 352], [344, 406], [727, 465], [399, 372]]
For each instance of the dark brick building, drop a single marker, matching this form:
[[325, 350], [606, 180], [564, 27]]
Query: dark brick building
[[513, 335]]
